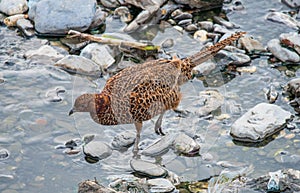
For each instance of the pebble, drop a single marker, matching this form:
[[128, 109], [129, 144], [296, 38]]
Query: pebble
[[79, 65], [26, 27], [283, 54], [271, 94], [291, 39], [148, 169], [206, 25], [247, 69], [97, 150], [223, 22], [168, 43], [199, 4], [200, 35], [123, 13], [13, 7], [160, 185], [11, 21], [110, 3], [4, 154], [123, 140], [292, 88], [191, 28], [183, 16], [251, 45], [63, 16], [185, 22], [259, 122], [159, 147], [100, 54], [284, 19]]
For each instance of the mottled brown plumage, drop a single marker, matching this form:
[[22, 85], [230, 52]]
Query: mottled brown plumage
[[141, 92]]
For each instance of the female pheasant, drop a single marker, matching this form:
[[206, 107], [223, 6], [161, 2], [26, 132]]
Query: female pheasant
[[141, 92]]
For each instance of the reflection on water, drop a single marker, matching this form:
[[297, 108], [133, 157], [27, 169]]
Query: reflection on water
[[32, 126]]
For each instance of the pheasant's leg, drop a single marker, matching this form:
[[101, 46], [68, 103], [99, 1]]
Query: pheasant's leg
[[138, 127], [157, 127]]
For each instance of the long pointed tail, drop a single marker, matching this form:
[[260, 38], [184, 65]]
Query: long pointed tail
[[209, 52]]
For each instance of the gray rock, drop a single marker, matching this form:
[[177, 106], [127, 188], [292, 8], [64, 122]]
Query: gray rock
[[161, 146], [26, 27], [58, 17], [160, 185], [223, 22], [291, 39], [206, 25], [283, 54], [293, 88], [251, 45], [147, 168], [184, 144], [211, 100], [79, 65], [50, 52], [204, 69], [259, 122], [225, 57], [292, 3], [97, 150], [13, 7], [284, 19], [123, 140], [100, 54], [110, 3]]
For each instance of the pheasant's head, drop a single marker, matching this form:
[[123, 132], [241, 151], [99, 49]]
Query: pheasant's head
[[83, 103]]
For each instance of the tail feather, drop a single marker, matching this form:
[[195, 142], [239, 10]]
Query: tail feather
[[211, 51]]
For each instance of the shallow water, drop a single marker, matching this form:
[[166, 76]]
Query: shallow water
[[32, 126]]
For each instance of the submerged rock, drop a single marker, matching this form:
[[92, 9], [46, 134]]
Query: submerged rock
[[283, 54], [160, 185], [259, 122], [13, 7], [52, 53], [211, 100], [26, 27], [292, 3], [292, 89], [148, 169], [4, 154], [63, 15]]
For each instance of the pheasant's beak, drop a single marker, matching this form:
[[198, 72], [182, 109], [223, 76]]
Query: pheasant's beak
[[71, 112]]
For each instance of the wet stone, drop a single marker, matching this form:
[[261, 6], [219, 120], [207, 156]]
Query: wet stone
[[251, 45], [14, 7], [293, 88], [161, 146], [183, 144], [291, 39], [259, 122], [200, 35], [98, 19], [53, 95], [26, 27], [79, 65], [204, 69], [206, 25], [123, 140], [123, 13], [201, 4], [11, 21], [191, 28], [225, 57], [160, 185], [97, 150], [50, 52], [63, 16], [100, 54], [224, 23], [211, 100], [283, 54], [148, 169], [284, 19], [4, 154]]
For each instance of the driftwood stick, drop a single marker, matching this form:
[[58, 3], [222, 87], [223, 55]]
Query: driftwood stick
[[110, 41]]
